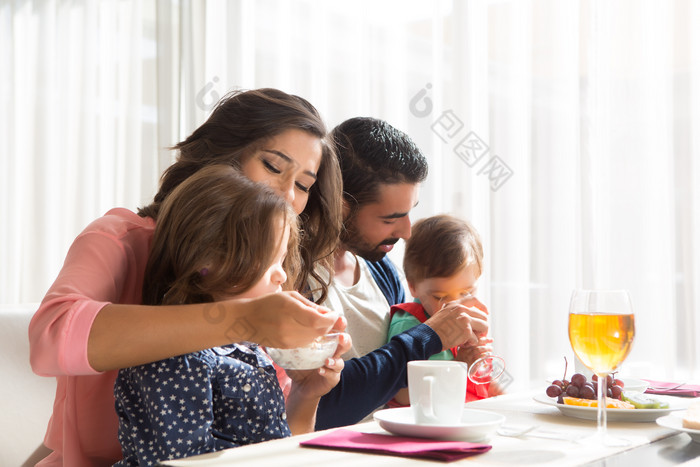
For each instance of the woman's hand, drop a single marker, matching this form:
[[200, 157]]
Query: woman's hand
[[283, 320]]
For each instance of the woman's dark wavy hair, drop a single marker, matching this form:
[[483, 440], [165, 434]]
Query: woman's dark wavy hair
[[239, 124], [217, 234]]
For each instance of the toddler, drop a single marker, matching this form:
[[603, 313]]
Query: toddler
[[442, 263]]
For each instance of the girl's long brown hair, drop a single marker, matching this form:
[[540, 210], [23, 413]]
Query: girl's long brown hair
[[217, 234], [239, 123]]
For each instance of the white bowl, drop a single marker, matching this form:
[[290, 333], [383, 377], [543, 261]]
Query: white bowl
[[310, 357], [634, 385]]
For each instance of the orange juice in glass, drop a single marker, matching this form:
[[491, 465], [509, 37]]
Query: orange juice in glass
[[601, 331]]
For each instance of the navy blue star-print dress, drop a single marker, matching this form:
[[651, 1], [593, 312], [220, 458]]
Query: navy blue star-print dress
[[200, 402]]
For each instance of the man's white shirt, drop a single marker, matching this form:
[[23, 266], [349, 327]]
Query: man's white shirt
[[364, 306]]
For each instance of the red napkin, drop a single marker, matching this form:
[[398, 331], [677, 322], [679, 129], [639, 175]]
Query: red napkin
[[349, 440], [687, 390]]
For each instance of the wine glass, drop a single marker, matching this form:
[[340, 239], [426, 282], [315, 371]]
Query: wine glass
[[601, 331], [488, 367]]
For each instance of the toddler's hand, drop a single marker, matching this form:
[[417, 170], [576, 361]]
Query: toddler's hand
[[471, 353], [495, 389], [316, 383]]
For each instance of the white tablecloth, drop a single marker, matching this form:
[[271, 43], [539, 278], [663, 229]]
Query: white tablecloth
[[519, 409]]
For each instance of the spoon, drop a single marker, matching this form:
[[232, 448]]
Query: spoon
[[677, 386], [515, 431]]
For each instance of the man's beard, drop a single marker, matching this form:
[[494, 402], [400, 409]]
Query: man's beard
[[355, 243]]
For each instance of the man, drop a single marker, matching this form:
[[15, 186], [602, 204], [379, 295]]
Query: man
[[382, 170]]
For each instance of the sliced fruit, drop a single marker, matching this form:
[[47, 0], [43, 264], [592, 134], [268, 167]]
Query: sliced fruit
[[581, 402], [642, 401], [611, 403]]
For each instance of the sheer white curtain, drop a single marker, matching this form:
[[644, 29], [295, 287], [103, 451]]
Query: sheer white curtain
[[77, 128], [563, 130], [592, 104]]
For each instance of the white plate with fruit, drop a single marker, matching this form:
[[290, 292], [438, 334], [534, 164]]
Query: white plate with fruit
[[578, 398], [616, 415]]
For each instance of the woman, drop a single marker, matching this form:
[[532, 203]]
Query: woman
[[91, 323]]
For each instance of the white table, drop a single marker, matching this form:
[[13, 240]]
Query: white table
[[519, 409]]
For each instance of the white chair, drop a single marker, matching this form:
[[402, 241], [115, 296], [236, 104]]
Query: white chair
[[27, 399]]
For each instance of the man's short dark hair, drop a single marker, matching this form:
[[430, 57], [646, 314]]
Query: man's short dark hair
[[371, 153]]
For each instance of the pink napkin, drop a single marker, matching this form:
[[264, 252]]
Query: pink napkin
[[349, 440], [687, 390]]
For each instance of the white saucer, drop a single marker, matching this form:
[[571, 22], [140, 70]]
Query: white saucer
[[675, 422], [475, 426]]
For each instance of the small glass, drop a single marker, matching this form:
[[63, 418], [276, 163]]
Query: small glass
[[488, 367]]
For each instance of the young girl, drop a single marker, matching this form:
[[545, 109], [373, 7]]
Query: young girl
[[219, 236], [442, 262], [92, 321]]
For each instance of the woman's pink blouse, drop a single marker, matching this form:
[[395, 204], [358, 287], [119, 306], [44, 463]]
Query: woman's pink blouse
[[104, 265]]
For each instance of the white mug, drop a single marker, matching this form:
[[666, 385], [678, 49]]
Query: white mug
[[436, 389]]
